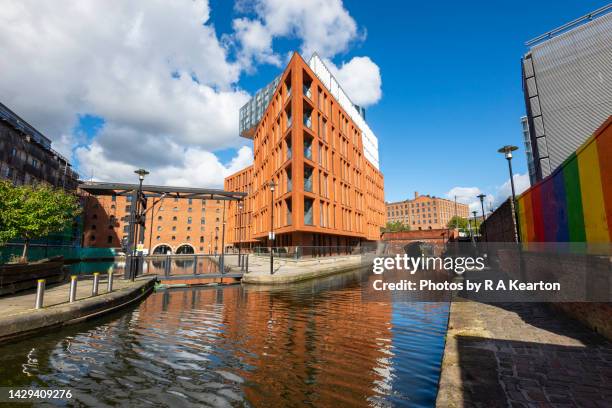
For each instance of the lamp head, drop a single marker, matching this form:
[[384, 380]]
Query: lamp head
[[507, 151], [481, 196], [141, 173], [272, 185]]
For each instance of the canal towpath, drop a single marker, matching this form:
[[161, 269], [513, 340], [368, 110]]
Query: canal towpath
[[19, 316], [522, 355]]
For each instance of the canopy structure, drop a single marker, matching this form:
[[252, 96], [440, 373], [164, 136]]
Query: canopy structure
[[138, 210], [101, 188]]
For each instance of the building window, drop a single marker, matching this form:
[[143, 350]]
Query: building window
[[93, 227], [174, 218], [158, 237], [109, 239], [203, 221], [174, 228], [92, 238], [159, 218], [159, 228], [308, 211], [173, 238], [188, 220]]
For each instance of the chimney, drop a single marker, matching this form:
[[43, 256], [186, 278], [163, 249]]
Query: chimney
[[416, 194]]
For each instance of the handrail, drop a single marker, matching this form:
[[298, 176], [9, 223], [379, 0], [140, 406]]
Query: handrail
[[567, 26]]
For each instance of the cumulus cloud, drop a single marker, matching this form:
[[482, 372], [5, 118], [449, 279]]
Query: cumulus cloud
[[360, 79], [322, 26], [500, 193], [164, 84], [155, 71]]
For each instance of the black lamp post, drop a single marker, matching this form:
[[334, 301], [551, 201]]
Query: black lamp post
[[223, 240], [138, 226], [482, 197], [475, 225], [507, 151], [271, 236], [239, 228]]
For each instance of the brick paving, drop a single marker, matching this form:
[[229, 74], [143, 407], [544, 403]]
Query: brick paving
[[522, 355]]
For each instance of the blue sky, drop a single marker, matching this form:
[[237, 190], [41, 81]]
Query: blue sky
[[451, 86], [123, 93]]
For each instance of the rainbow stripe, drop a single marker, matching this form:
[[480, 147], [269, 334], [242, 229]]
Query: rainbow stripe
[[574, 203]]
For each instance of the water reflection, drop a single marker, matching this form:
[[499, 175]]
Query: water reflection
[[318, 343], [152, 265]]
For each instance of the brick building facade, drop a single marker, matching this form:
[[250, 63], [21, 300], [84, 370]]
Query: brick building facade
[[176, 225], [425, 212], [311, 146]]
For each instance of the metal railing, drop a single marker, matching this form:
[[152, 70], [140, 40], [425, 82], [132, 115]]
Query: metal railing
[[193, 264], [302, 252]]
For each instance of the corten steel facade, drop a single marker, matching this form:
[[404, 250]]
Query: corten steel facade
[[567, 83], [327, 193], [176, 225], [26, 156], [425, 212]]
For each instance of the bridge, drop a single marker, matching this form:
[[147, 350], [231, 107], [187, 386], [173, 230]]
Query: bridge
[[195, 268]]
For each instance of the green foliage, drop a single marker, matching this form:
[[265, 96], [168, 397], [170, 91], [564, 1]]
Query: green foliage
[[396, 226], [462, 223], [457, 222], [31, 212]]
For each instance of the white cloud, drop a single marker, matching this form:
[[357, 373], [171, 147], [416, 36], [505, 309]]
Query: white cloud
[[198, 167], [323, 26], [360, 79], [158, 75], [500, 193], [521, 183], [154, 70]]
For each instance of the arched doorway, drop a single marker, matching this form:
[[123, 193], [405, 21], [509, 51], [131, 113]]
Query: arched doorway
[[162, 249], [185, 249]]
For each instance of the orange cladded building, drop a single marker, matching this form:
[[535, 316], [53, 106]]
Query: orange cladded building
[[314, 145]]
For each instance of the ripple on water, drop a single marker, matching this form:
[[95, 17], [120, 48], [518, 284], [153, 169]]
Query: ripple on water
[[319, 344]]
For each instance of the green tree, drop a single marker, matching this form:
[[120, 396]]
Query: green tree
[[396, 226], [457, 222], [30, 212], [462, 224]]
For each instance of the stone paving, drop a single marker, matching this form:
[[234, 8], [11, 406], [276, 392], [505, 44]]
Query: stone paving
[[522, 355], [24, 302]]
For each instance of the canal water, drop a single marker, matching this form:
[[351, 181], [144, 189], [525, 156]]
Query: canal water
[[320, 343]]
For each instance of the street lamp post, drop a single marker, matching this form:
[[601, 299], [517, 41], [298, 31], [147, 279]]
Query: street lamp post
[[138, 221], [223, 240], [482, 197], [239, 229], [475, 225], [507, 151], [271, 236]]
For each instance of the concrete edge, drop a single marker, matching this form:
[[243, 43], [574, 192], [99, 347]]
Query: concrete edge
[[22, 325], [297, 277], [448, 389]]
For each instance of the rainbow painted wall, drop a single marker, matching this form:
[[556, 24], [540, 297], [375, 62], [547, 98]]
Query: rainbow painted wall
[[574, 204]]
